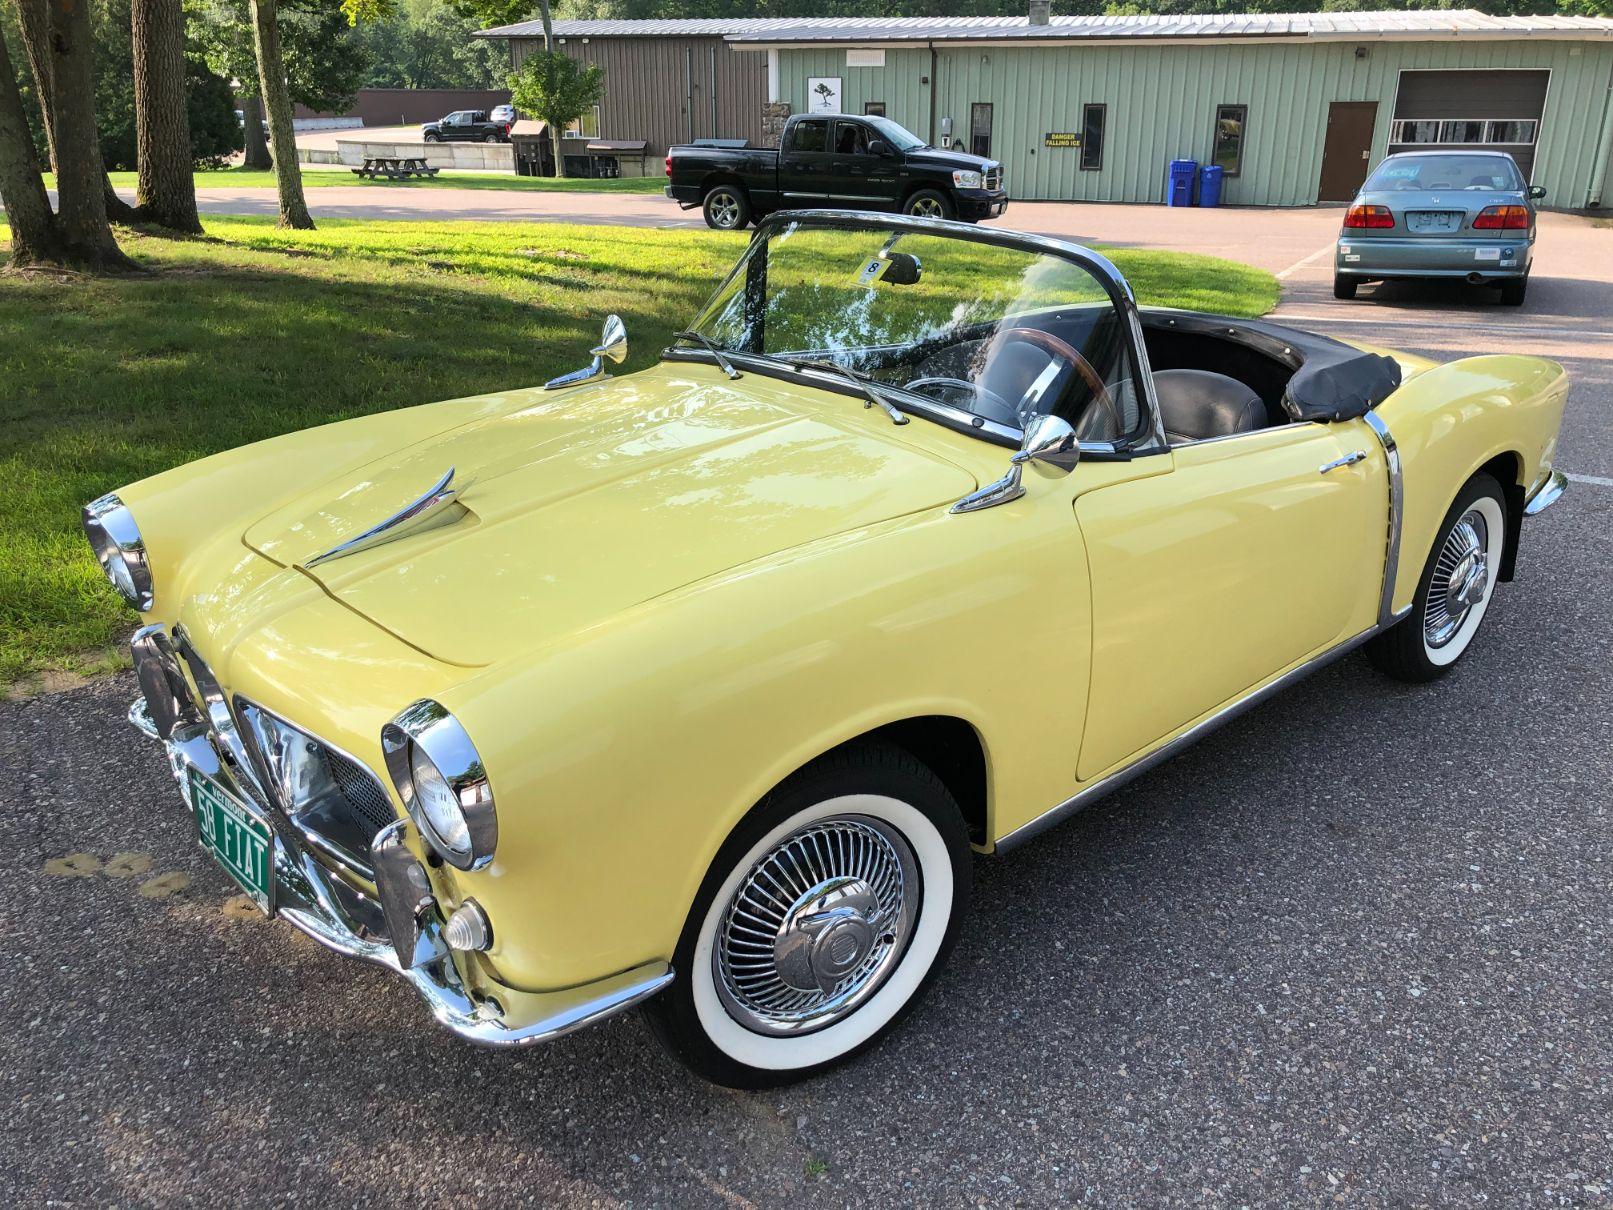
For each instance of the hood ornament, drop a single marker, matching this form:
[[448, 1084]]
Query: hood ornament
[[405, 521]]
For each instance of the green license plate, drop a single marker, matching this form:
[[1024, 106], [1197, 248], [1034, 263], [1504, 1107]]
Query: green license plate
[[236, 836]]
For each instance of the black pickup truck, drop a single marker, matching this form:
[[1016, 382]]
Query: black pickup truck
[[466, 126], [841, 162]]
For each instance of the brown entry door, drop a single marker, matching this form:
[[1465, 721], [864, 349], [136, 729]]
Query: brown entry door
[[1347, 150]]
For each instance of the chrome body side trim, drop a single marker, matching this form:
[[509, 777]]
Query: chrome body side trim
[[345, 919], [1391, 554], [1545, 493], [404, 521], [1120, 777], [1009, 487]]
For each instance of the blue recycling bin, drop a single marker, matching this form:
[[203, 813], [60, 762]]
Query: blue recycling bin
[[1210, 184], [1179, 182]]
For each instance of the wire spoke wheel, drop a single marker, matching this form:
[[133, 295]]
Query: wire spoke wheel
[[817, 925], [1461, 579]]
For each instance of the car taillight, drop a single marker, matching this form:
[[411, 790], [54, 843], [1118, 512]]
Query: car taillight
[[1369, 216], [669, 165], [1502, 218]]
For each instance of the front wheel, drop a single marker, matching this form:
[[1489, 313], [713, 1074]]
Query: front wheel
[[432, 137], [1454, 592], [821, 922], [726, 208], [929, 203]]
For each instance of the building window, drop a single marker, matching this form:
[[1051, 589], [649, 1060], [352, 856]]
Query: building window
[[1230, 121], [1092, 120], [1461, 132], [1517, 132], [980, 129], [1520, 132], [585, 127], [874, 109]]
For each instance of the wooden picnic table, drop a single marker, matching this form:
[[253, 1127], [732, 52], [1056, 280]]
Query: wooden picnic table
[[394, 167]]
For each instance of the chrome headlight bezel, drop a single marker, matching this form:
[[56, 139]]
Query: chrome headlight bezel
[[119, 549], [968, 178], [426, 730]]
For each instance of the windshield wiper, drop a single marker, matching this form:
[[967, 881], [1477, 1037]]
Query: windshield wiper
[[711, 347], [871, 394]]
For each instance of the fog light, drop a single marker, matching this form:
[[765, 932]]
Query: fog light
[[467, 928]]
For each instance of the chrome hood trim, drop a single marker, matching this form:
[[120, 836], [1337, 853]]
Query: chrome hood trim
[[406, 520]]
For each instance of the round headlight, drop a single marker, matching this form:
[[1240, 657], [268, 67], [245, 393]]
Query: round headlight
[[119, 549], [440, 777]]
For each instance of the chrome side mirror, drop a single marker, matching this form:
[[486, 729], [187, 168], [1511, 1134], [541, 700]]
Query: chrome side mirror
[[612, 344], [1051, 442], [1048, 442]]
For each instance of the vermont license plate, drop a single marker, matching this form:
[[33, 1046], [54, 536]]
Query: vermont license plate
[[237, 837]]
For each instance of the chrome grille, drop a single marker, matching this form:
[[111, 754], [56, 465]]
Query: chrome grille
[[994, 178], [366, 800]]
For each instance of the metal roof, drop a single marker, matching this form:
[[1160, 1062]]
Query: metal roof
[[1327, 26]]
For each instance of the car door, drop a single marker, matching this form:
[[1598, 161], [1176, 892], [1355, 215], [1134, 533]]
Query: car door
[[805, 162], [458, 125], [856, 174], [1250, 555]]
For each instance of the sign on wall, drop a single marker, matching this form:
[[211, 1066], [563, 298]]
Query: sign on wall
[[823, 94], [1061, 139]]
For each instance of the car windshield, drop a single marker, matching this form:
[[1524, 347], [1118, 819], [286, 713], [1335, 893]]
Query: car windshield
[[1445, 172], [974, 333], [894, 133]]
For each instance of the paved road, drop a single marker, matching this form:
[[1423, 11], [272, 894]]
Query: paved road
[[1352, 948]]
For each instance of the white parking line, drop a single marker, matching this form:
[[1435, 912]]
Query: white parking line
[[1300, 264], [1593, 480]]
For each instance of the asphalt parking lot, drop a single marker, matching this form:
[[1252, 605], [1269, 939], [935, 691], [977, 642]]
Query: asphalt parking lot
[[1352, 948]]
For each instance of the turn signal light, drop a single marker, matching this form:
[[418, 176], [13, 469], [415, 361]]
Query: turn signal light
[[1502, 218], [1369, 216], [669, 165]]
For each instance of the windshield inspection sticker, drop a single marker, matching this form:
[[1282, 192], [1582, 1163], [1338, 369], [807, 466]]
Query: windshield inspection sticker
[[1487, 254]]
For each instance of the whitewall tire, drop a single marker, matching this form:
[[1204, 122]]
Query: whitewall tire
[[822, 921]]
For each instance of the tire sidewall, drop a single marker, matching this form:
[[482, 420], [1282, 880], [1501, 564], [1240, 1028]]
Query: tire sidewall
[[1483, 494], [689, 1017], [739, 200]]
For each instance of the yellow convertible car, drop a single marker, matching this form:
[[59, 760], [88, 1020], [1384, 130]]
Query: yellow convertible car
[[696, 688]]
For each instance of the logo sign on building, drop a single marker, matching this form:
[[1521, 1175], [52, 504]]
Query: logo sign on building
[[823, 94], [1061, 139]]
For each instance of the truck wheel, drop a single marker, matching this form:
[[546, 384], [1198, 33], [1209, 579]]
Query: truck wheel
[[433, 137], [726, 209], [490, 138], [928, 203]]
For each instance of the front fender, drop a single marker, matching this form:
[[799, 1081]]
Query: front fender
[[1452, 420]]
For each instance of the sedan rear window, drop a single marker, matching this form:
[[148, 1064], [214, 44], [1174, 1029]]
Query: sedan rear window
[[1445, 172]]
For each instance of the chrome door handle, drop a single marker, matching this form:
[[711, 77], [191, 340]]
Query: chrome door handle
[[1349, 459]]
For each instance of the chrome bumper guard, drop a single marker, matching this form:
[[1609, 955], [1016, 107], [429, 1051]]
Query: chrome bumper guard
[[399, 926], [1545, 493]]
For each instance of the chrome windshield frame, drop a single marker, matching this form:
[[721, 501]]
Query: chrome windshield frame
[[1151, 438]]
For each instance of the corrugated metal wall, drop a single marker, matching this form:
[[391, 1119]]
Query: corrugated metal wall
[[661, 89], [1162, 103]]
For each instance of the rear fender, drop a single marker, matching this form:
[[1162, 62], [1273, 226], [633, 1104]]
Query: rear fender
[[1496, 413]]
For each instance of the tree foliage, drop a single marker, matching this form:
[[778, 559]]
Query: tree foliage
[[428, 44], [325, 68], [556, 88], [503, 12]]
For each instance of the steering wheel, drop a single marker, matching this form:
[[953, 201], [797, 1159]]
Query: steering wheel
[[996, 407], [1065, 352]]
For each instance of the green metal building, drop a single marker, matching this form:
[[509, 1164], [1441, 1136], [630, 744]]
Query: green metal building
[[1295, 107]]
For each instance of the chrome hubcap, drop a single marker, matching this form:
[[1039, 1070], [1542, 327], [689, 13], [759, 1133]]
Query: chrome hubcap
[[817, 925], [725, 210], [1461, 578]]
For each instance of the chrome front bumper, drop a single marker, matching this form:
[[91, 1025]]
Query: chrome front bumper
[[1545, 493], [343, 912]]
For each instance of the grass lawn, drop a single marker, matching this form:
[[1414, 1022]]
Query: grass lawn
[[320, 176], [252, 331]]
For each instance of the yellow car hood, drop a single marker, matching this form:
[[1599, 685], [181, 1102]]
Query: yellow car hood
[[576, 505]]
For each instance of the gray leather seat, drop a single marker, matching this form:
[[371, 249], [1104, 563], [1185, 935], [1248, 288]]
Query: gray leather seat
[[1197, 405]]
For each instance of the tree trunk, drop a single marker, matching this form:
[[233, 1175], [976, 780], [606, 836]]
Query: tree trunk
[[167, 192], [33, 22], [277, 100], [33, 227], [548, 48], [257, 147], [81, 182]]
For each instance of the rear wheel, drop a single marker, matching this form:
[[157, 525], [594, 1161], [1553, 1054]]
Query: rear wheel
[[821, 922], [726, 208], [1512, 292], [929, 203], [490, 138], [1454, 592], [1344, 287]]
